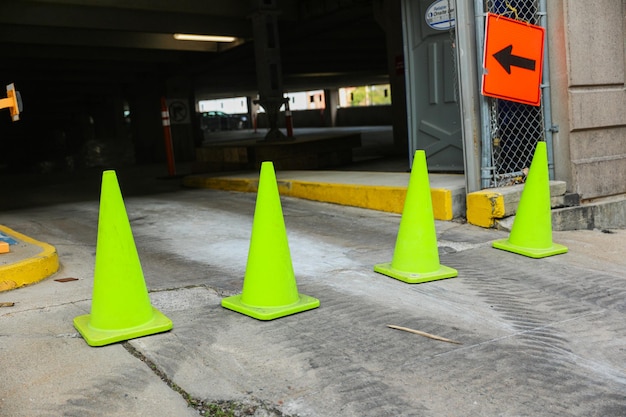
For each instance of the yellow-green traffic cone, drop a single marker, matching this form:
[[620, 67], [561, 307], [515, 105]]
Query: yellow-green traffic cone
[[120, 305], [416, 256], [531, 234], [269, 285]]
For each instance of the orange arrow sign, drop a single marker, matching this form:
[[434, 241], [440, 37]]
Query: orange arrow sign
[[513, 60]]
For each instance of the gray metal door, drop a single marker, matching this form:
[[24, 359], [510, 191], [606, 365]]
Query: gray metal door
[[432, 98]]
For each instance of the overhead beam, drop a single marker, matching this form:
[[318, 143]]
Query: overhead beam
[[80, 57], [221, 8], [50, 14], [97, 38], [289, 9]]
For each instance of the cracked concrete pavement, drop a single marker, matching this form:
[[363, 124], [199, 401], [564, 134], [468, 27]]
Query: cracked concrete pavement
[[539, 336]]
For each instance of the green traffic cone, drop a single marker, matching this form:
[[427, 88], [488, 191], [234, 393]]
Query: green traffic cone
[[531, 234], [120, 305], [416, 255], [269, 286]]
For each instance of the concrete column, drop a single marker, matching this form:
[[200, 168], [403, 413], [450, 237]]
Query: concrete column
[[144, 99], [107, 111], [253, 105], [331, 98], [268, 65], [389, 16], [179, 93]]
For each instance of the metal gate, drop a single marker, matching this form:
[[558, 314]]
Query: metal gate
[[513, 129]]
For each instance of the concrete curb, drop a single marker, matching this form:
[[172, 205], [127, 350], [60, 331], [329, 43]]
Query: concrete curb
[[375, 197], [486, 208], [30, 269]]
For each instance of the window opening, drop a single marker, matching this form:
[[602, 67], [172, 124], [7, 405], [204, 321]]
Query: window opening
[[367, 95]]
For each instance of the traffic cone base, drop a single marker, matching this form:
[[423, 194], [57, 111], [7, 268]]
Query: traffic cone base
[[304, 303], [416, 278], [100, 337], [505, 244]]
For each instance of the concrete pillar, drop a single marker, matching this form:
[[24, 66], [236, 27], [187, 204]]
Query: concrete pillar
[[389, 16], [268, 65], [107, 112], [144, 100], [331, 98], [253, 105], [180, 98]]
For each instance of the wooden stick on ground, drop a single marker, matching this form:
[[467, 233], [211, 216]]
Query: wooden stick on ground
[[430, 336]]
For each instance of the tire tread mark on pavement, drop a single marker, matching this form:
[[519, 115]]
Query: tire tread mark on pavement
[[359, 363], [531, 299]]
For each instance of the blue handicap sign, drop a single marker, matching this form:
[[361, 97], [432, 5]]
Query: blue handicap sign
[[6, 238]]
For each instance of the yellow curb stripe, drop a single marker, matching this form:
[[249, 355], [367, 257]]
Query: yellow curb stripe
[[382, 198], [217, 183], [375, 197], [442, 203], [31, 270]]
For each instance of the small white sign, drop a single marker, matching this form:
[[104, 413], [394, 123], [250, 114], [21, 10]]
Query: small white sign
[[441, 15], [178, 111]]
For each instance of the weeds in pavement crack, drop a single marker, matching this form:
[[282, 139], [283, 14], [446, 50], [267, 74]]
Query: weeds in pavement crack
[[216, 409]]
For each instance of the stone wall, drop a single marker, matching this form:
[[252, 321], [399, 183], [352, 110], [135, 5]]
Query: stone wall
[[588, 80]]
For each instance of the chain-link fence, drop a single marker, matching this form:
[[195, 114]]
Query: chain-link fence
[[514, 128]]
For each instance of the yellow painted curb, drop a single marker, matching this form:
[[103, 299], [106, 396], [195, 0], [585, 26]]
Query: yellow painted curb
[[217, 183], [442, 203], [484, 207], [382, 198], [374, 197], [31, 270]]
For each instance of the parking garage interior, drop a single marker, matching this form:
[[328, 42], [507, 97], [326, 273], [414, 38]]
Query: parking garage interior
[[92, 74]]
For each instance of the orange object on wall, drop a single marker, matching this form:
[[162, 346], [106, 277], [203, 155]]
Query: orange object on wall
[[513, 60], [4, 247]]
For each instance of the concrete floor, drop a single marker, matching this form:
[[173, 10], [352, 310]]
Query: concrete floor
[[539, 337]]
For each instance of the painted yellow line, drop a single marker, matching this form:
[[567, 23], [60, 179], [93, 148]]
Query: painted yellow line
[[374, 197], [31, 270]]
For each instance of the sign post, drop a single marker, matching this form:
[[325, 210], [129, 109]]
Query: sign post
[[167, 136], [513, 60]]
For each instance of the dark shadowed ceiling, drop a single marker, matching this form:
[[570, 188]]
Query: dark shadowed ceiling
[[82, 42], [71, 59]]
